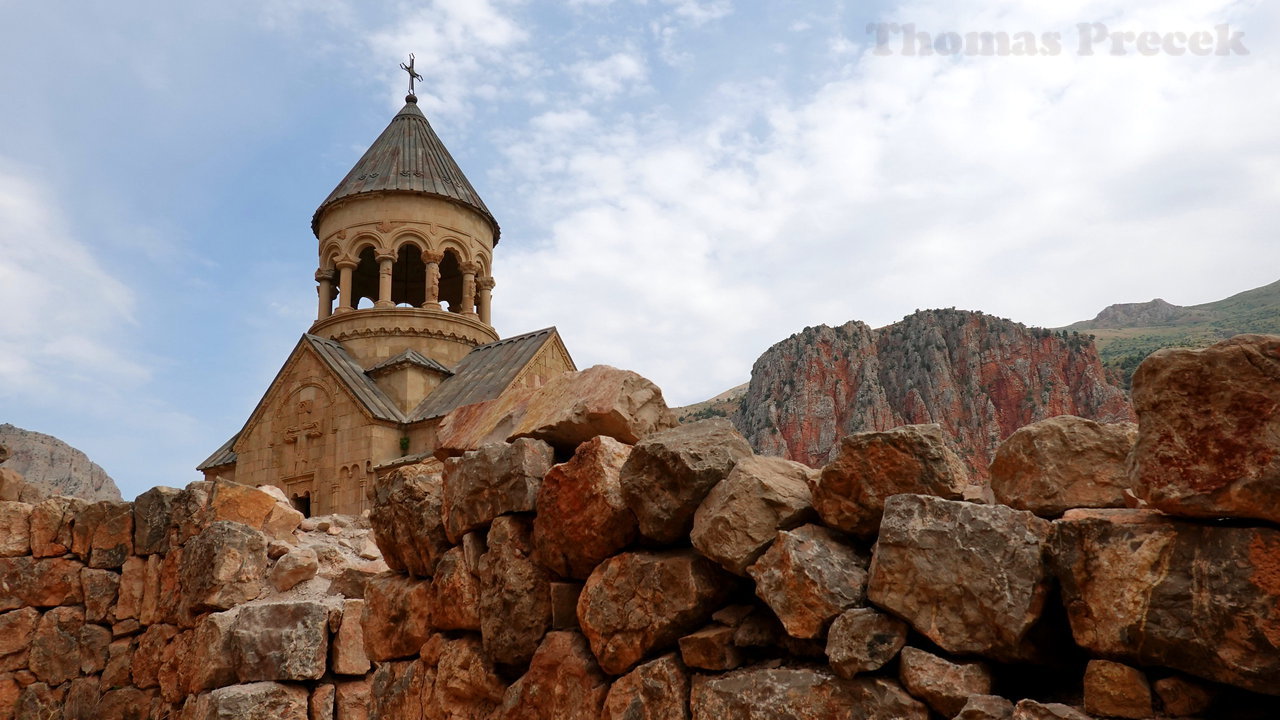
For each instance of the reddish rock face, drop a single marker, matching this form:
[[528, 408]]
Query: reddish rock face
[[1061, 463], [100, 588], [456, 593], [466, 685], [711, 648], [971, 578], [401, 690], [15, 529], [808, 577], [26, 582], [986, 707], [515, 593], [1142, 587], [406, 519], [16, 629], [1181, 697], [349, 657], [152, 512], [397, 616], [1116, 690], [223, 566], [284, 641], [800, 694], [656, 690], [862, 640], [563, 683], [492, 481], [574, 407], [51, 522], [638, 602], [55, 646], [871, 466], [582, 518], [978, 376], [258, 701], [102, 534], [945, 685], [1209, 429], [744, 512], [669, 474], [1032, 710]]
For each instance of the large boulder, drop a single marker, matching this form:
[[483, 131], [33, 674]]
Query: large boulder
[[396, 616], [1064, 462], [1114, 689], [152, 518], [571, 408], [51, 523], [401, 690], [563, 683], [15, 488], [16, 629], [455, 592], [495, 480], [669, 473], [102, 534], [515, 593], [582, 518], [808, 577], [281, 641], [863, 640], [348, 656], [27, 582], [638, 602], [1209, 429], [972, 578], [1145, 588], [800, 693], [254, 701], [221, 567], [15, 528], [743, 513], [656, 690], [945, 685], [407, 518], [467, 686], [872, 466], [55, 645]]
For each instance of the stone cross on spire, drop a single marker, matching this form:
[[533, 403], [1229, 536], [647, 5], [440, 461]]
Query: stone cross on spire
[[413, 74]]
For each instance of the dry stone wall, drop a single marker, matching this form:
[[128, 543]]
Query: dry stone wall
[[672, 574]]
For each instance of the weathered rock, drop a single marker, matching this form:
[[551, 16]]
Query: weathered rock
[[189, 512], [349, 657], [455, 590], [102, 534], [221, 567], [945, 685], [38, 701], [16, 630], [119, 659], [638, 602], [1116, 690], [9, 692], [515, 593], [199, 659], [397, 616], [711, 648], [563, 683], [51, 522], [985, 707], [799, 693], [297, 565], [582, 518], [401, 690], [258, 701], [82, 700], [27, 582], [1032, 710], [406, 518], [54, 467], [573, 407], [55, 646], [15, 529], [1142, 587], [125, 704], [862, 640], [808, 577], [1209, 429], [353, 700], [669, 474], [1181, 697], [743, 513], [152, 518], [466, 684], [146, 661], [656, 690], [281, 641], [971, 578], [99, 588], [234, 502], [1061, 463], [94, 643], [320, 706], [872, 466], [492, 481], [15, 488], [132, 587], [282, 521]]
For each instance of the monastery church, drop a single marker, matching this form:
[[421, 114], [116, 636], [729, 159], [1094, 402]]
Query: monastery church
[[366, 386]]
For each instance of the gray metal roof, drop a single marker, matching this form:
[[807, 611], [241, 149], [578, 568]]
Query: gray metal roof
[[409, 357], [408, 157], [352, 375], [222, 456], [483, 374]]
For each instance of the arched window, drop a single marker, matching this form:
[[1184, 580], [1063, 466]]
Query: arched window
[[364, 279], [451, 281], [409, 277]]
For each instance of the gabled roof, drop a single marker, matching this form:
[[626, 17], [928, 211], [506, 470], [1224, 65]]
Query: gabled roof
[[365, 390], [409, 357], [222, 456], [408, 157], [483, 374]]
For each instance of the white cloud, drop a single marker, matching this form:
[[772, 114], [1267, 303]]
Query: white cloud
[[611, 75]]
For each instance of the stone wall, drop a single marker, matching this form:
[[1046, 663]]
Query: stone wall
[[1102, 571]]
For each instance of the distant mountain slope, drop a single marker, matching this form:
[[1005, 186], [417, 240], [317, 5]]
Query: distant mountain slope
[[723, 405], [49, 463], [1127, 333], [979, 376]]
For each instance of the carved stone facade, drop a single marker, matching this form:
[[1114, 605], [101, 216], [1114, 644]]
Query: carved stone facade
[[404, 288]]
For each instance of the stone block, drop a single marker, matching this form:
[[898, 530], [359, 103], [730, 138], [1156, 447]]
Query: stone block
[[515, 593], [574, 407], [945, 685], [1064, 462], [15, 529], [396, 617], [407, 521], [800, 694], [563, 683], [808, 577], [281, 641], [582, 518], [656, 690], [863, 640]]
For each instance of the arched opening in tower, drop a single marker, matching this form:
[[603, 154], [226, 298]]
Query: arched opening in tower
[[364, 280], [409, 277], [451, 281]]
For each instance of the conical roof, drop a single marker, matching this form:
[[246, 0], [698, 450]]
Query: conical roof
[[408, 157]]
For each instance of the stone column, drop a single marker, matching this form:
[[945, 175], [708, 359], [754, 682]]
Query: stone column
[[345, 304], [385, 264], [486, 289], [469, 270], [325, 291], [432, 259]]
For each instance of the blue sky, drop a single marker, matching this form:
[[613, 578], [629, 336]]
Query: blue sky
[[680, 183]]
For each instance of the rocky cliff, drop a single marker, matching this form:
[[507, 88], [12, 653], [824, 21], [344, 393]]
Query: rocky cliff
[[980, 377], [54, 466]]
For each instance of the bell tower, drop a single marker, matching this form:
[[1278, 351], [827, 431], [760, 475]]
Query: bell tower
[[405, 251]]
